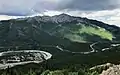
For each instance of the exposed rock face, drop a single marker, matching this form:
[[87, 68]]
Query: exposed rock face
[[107, 69], [113, 70], [103, 67]]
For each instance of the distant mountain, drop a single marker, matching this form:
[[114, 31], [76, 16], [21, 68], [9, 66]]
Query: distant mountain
[[54, 30]]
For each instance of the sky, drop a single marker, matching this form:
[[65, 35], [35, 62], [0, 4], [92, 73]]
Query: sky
[[107, 11]]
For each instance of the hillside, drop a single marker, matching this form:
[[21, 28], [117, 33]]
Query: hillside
[[63, 28], [72, 41]]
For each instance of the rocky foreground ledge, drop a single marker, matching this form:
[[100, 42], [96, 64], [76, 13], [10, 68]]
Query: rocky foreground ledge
[[113, 70], [107, 69], [22, 57]]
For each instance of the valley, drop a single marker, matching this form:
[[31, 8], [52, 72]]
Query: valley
[[57, 42]]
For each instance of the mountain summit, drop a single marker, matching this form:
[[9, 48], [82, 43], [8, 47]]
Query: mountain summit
[[62, 18]]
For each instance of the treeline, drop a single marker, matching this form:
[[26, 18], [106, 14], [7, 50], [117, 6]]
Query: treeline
[[49, 69], [48, 72]]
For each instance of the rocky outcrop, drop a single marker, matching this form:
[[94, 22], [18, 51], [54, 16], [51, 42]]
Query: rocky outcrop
[[107, 69], [113, 70]]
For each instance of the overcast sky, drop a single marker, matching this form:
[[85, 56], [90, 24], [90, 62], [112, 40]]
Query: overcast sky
[[104, 10]]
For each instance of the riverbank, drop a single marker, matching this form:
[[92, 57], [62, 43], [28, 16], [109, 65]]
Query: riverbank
[[13, 58]]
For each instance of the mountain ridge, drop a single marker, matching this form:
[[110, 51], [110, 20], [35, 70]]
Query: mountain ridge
[[61, 27], [70, 18]]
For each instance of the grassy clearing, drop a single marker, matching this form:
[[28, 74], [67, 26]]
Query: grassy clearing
[[83, 33]]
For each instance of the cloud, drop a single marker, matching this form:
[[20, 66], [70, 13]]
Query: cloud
[[107, 16], [25, 7], [88, 5], [29, 7], [6, 17]]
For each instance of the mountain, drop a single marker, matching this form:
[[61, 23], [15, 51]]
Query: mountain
[[72, 41], [58, 29]]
